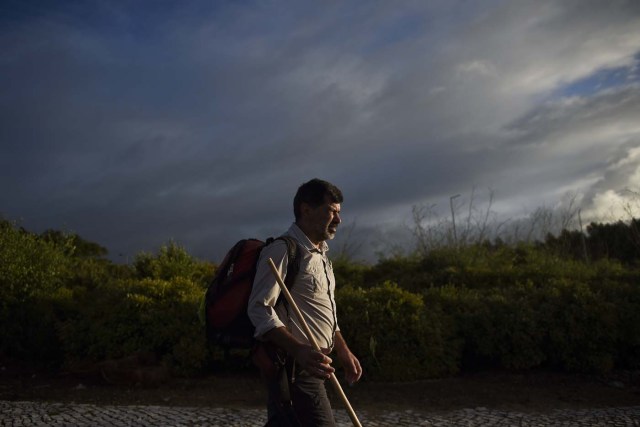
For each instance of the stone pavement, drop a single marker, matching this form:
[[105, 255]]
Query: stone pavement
[[70, 414]]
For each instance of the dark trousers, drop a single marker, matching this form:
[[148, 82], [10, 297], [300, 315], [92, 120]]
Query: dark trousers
[[310, 404]]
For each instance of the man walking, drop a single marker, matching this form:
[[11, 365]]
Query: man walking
[[317, 215]]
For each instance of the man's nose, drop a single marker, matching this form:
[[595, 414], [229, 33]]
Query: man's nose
[[337, 219]]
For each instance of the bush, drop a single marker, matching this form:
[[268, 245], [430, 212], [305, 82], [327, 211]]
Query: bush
[[626, 300], [393, 335], [173, 261], [498, 328], [582, 327], [476, 307], [29, 266], [407, 272], [513, 307], [130, 316], [564, 325], [32, 272], [349, 274]]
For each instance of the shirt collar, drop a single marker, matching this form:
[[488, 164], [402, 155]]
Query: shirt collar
[[302, 238]]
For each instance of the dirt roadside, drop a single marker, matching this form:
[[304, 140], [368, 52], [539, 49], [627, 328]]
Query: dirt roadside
[[525, 392]]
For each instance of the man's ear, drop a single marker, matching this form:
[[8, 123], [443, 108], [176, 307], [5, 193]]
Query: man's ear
[[305, 208]]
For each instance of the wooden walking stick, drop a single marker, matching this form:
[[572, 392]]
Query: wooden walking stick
[[314, 343]]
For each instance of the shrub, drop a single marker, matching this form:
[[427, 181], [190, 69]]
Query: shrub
[[626, 300], [498, 328], [407, 272], [348, 273], [29, 266], [129, 316], [563, 324], [173, 261], [393, 335], [582, 327], [31, 272], [482, 306]]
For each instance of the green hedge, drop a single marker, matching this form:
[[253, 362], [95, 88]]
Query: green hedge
[[565, 325], [394, 335], [58, 306], [149, 315], [488, 306]]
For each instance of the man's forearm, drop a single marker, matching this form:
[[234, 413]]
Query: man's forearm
[[314, 362], [340, 344], [285, 340]]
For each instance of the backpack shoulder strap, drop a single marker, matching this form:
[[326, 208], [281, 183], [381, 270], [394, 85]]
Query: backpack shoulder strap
[[293, 260]]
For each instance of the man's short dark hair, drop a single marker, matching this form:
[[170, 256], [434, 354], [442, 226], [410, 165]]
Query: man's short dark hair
[[313, 193]]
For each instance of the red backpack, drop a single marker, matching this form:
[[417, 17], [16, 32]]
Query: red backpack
[[227, 297]]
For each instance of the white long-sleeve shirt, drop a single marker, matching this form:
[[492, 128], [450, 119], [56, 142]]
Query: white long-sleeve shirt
[[313, 291]]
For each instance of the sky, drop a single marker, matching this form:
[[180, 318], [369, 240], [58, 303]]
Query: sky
[[138, 123]]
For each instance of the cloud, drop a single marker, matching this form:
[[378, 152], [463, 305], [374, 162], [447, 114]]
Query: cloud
[[586, 142], [198, 122]]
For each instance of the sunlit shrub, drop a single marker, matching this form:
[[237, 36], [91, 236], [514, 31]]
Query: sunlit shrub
[[152, 315], [348, 273], [407, 272], [173, 261], [29, 266], [31, 271]]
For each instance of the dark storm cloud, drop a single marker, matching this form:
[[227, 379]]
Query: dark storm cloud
[[135, 124]]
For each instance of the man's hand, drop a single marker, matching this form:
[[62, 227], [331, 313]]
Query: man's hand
[[352, 368], [314, 362]]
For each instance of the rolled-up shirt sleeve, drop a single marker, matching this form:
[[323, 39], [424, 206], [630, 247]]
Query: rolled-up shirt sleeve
[[265, 291]]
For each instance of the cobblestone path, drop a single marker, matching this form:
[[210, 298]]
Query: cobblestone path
[[69, 414]]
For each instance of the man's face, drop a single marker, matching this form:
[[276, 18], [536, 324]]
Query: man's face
[[322, 221]]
